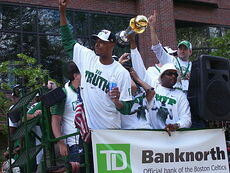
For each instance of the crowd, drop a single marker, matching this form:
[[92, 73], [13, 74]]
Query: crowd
[[119, 94], [123, 94]]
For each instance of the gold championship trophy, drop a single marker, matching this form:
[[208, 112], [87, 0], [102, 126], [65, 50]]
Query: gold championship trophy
[[137, 25]]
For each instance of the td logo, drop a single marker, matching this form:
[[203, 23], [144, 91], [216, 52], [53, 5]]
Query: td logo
[[113, 158]]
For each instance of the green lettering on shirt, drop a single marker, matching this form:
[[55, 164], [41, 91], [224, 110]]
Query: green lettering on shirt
[[165, 99], [88, 75], [74, 105], [171, 101], [96, 80], [98, 72], [129, 91]]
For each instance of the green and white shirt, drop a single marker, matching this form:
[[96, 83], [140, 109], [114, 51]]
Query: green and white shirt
[[101, 112], [168, 105], [138, 117]]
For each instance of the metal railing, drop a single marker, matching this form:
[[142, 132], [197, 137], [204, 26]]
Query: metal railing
[[25, 134]]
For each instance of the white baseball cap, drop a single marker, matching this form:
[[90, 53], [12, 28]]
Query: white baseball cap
[[169, 50], [165, 67], [105, 35]]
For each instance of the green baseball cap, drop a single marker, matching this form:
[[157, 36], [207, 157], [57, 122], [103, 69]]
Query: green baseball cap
[[186, 43]]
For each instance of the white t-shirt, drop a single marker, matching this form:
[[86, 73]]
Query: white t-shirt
[[68, 117], [101, 112], [183, 67], [169, 106], [139, 67], [137, 120], [176, 104], [154, 72]]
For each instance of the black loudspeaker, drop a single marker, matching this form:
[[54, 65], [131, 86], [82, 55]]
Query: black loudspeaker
[[209, 88]]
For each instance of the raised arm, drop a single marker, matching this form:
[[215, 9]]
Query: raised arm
[[62, 9], [152, 25], [136, 58], [162, 56], [148, 89], [137, 61], [66, 34]]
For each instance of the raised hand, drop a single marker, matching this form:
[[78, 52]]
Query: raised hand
[[63, 5], [134, 75], [152, 25], [153, 18], [114, 94], [62, 8], [124, 58]]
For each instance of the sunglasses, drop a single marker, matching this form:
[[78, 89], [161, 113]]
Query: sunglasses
[[171, 73]]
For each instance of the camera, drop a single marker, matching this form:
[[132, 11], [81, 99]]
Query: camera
[[127, 64]]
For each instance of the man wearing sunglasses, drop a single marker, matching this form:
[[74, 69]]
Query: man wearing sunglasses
[[169, 108]]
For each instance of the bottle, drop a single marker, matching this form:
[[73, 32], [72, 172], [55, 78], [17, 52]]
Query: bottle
[[112, 83]]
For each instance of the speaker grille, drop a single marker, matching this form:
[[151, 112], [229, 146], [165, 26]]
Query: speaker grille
[[217, 98]]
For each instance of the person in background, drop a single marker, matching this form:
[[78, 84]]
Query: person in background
[[154, 71], [34, 111], [181, 62], [170, 109], [63, 115]]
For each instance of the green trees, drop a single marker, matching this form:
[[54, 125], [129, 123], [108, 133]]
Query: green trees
[[23, 67], [14, 71], [221, 45]]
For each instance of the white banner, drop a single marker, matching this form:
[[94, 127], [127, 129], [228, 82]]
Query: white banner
[[129, 151]]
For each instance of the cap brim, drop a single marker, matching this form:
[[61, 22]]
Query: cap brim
[[183, 44], [95, 37], [159, 78], [172, 52]]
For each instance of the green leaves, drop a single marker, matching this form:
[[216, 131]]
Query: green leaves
[[221, 45], [11, 71], [27, 60], [23, 67]]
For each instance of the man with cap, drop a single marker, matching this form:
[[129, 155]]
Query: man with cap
[[98, 69], [170, 108], [181, 62]]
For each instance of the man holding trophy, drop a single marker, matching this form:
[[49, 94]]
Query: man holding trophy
[[98, 70]]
